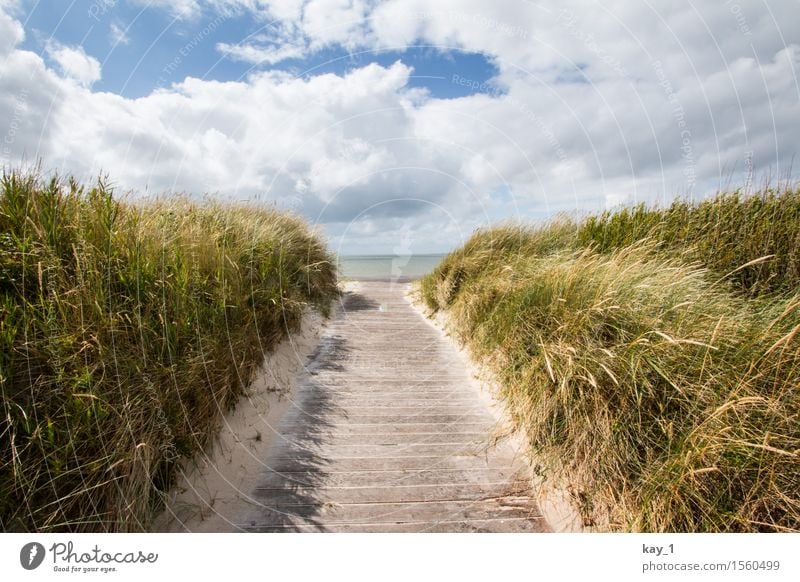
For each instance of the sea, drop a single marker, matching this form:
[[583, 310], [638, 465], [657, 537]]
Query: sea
[[386, 267]]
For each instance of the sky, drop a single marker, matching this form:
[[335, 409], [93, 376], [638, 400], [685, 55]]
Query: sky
[[400, 126]]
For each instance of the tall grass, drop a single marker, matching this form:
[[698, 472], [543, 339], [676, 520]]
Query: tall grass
[[126, 330], [723, 233], [667, 398]]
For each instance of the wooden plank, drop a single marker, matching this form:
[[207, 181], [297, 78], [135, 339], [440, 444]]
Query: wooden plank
[[492, 525], [392, 513], [406, 493], [391, 418], [387, 399], [399, 408], [388, 478], [332, 450], [411, 462], [395, 439], [419, 428]]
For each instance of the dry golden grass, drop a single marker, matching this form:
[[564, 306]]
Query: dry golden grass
[[664, 391], [126, 330]]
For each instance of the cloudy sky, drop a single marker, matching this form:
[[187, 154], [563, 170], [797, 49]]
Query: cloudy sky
[[404, 124]]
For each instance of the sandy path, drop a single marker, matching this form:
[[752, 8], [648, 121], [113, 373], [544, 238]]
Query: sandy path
[[386, 431]]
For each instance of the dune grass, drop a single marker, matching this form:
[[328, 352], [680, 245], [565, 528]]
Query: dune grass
[[126, 331], [652, 356], [724, 234]]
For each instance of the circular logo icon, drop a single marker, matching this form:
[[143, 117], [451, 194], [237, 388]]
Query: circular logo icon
[[31, 555]]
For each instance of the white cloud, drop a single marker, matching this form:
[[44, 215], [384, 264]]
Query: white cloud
[[74, 63], [296, 29], [182, 9], [11, 33], [602, 105], [336, 22], [117, 34], [262, 54]]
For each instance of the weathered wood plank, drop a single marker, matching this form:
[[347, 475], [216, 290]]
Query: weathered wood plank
[[431, 476], [393, 513], [382, 463], [419, 428], [394, 439], [334, 449], [398, 493], [338, 416], [493, 525]]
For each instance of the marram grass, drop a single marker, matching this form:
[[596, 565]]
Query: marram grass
[[126, 331], [660, 387], [754, 239]]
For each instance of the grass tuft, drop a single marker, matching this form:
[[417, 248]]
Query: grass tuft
[[126, 331], [652, 356]]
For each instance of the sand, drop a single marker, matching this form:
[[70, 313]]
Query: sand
[[212, 489]]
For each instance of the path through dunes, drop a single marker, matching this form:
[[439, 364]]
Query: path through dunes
[[388, 432]]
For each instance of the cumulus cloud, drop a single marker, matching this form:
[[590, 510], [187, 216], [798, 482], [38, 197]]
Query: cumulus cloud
[[599, 105], [11, 33], [74, 63], [297, 29]]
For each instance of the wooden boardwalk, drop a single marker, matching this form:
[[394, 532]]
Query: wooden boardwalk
[[388, 432]]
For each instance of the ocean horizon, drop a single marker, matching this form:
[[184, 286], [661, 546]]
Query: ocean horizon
[[396, 267]]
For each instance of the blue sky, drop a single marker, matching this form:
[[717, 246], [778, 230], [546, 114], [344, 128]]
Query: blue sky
[[147, 56], [404, 123], [160, 48]]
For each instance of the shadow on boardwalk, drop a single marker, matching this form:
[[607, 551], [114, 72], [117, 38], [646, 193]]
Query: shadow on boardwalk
[[297, 465], [389, 432]]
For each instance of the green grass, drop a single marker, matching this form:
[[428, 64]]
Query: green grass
[[652, 369], [126, 331], [723, 233]]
